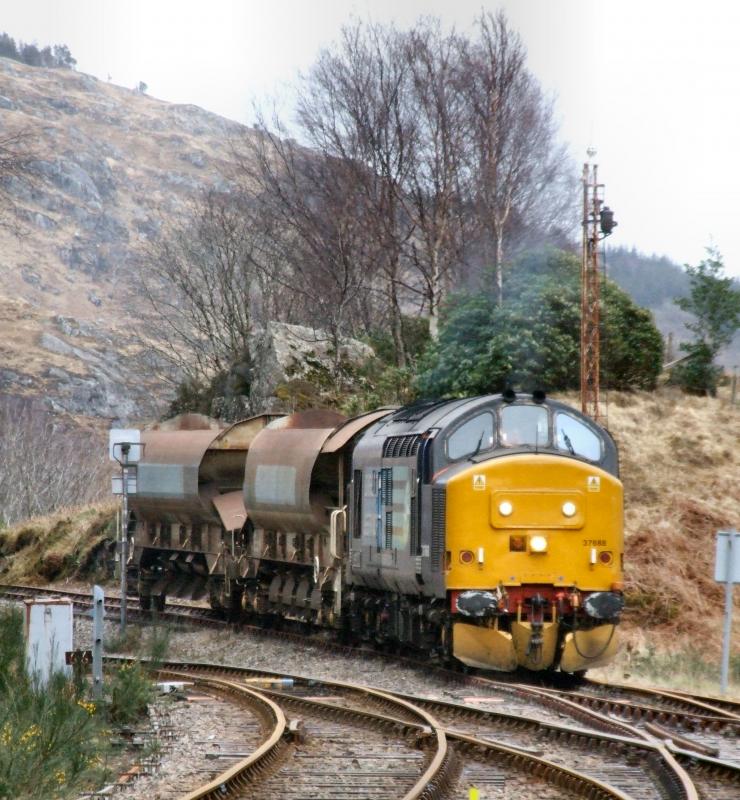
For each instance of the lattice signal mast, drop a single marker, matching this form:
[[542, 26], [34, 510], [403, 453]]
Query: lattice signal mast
[[598, 222]]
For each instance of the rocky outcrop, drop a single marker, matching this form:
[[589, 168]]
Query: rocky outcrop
[[111, 167], [284, 353]]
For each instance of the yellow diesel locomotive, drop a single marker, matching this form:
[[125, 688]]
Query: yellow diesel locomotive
[[486, 530]]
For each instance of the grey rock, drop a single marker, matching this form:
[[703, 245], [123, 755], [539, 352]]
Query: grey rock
[[67, 325], [282, 352], [42, 221], [19, 188], [71, 326], [194, 157], [56, 345], [30, 276], [62, 104], [38, 219], [70, 178], [180, 181], [88, 83], [101, 174], [10, 379], [6, 102]]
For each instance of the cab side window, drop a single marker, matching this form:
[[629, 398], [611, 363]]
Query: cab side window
[[575, 438], [473, 436]]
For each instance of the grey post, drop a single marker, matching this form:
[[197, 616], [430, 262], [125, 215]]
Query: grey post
[[121, 441], [98, 615], [123, 550], [727, 571]]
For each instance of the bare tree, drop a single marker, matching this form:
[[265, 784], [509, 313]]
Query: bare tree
[[448, 145], [199, 283], [47, 465], [412, 152], [523, 175], [353, 106], [317, 248], [17, 154], [434, 194]]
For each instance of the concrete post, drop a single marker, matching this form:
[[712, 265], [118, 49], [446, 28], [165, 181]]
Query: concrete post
[[98, 615]]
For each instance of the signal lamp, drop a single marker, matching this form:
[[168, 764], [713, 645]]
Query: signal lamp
[[467, 557], [569, 509], [607, 223], [505, 508], [517, 544], [538, 544], [605, 557]]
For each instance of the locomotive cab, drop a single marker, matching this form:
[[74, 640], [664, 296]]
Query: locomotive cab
[[502, 516]]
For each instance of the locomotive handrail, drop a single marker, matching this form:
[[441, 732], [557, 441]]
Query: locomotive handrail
[[335, 514]]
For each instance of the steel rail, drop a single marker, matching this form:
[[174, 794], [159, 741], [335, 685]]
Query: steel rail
[[711, 706], [683, 784], [677, 782], [718, 702], [525, 759], [556, 774], [435, 779], [252, 767], [701, 705]]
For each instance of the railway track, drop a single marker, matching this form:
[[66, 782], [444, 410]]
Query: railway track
[[457, 758], [617, 742], [504, 751]]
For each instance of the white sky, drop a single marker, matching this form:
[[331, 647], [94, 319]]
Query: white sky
[[652, 84]]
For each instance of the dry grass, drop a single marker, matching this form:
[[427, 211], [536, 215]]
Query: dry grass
[[65, 544], [679, 465]]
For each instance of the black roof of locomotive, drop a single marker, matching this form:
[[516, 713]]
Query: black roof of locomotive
[[420, 417]]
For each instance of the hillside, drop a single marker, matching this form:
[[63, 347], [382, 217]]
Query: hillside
[[111, 165]]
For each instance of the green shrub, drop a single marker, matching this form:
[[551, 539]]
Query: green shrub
[[129, 690], [533, 339], [53, 742]]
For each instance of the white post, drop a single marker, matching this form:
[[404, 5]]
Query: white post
[[49, 637]]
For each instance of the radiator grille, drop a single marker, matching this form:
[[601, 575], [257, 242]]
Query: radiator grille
[[388, 530], [401, 446], [438, 527], [386, 486]]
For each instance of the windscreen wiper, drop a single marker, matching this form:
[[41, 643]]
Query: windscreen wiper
[[568, 443], [477, 447]]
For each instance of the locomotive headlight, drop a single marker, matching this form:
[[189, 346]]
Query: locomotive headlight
[[505, 508], [538, 544], [569, 509]]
